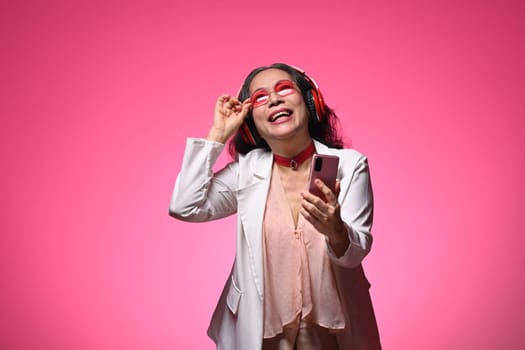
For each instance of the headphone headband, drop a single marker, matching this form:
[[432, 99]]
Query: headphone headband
[[307, 77]]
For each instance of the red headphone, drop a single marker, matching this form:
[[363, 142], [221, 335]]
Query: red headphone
[[314, 103]]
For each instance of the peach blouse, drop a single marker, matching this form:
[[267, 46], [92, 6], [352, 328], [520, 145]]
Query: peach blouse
[[299, 283]]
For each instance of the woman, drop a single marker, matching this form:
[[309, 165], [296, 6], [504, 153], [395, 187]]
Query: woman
[[297, 280]]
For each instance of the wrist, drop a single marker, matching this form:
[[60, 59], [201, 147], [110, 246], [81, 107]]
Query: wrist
[[339, 241], [217, 135]]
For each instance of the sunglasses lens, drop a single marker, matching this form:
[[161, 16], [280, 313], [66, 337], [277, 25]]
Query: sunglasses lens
[[259, 98], [284, 88]]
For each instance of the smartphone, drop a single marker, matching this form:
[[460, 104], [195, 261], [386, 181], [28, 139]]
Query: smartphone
[[323, 167]]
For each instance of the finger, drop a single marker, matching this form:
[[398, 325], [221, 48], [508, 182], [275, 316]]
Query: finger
[[328, 194], [337, 188], [222, 99], [310, 217], [237, 106], [318, 225], [232, 107], [231, 102], [312, 198], [316, 210], [246, 106], [240, 114], [242, 109]]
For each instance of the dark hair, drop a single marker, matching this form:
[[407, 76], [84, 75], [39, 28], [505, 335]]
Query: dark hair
[[325, 131]]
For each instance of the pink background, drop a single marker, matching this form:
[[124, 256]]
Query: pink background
[[98, 97]]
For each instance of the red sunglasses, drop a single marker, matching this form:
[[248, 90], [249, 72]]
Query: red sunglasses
[[282, 88]]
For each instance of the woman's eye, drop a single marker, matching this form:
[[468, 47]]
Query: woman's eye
[[259, 97], [284, 88]]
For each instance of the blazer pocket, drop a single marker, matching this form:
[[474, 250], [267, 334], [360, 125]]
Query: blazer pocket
[[234, 297]]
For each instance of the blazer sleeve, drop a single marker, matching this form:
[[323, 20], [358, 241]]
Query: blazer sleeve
[[357, 209], [199, 194]]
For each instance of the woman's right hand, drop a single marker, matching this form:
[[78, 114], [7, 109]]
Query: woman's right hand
[[228, 116]]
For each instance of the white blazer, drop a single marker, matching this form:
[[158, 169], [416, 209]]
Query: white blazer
[[242, 187]]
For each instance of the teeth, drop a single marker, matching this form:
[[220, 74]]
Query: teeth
[[280, 114]]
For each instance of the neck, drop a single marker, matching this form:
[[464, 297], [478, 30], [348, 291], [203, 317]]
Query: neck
[[290, 149]]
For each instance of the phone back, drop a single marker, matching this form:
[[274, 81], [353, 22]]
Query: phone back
[[324, 167]]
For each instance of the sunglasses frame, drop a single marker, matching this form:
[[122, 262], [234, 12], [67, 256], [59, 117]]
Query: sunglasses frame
[[282, 88]]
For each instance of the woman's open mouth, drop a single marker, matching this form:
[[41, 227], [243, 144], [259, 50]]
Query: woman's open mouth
[[280, 115]]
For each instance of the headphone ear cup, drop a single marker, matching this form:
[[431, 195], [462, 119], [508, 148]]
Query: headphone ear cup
[[314, 98], [315, 105]]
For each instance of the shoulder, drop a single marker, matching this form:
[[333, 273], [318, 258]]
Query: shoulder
[[256, 162], [346, 155], [253, 156]]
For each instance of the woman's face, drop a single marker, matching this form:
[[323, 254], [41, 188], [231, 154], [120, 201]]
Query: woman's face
[[278, 108]]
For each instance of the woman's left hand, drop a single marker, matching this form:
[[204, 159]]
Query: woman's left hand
[[325, 216]]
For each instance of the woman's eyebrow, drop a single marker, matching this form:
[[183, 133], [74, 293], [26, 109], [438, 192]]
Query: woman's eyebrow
[[277, 82]]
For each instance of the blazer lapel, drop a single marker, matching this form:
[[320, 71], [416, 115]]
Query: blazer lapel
[[255, 176]]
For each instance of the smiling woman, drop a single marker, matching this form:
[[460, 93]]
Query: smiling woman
[[283, 116], [297, 280]]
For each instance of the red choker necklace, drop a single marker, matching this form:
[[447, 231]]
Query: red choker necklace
[[299, 159]]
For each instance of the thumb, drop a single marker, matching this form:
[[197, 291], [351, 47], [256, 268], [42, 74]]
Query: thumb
[[245, 109], [246, 106]]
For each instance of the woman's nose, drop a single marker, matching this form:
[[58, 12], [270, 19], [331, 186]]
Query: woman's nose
[[274, 98]]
